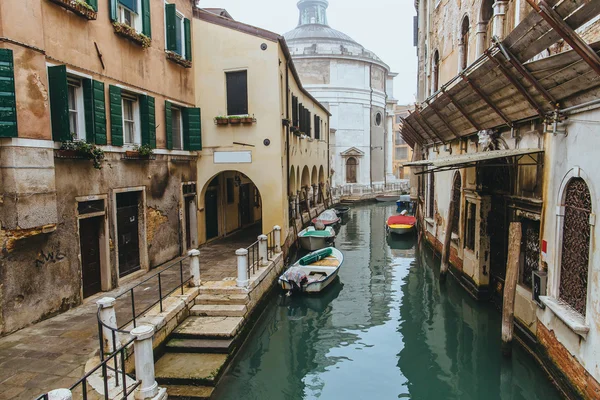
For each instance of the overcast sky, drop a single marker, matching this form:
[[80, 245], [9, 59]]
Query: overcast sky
[[382, 26]]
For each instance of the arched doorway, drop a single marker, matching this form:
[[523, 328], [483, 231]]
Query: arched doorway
[[351, 170], [464, 43], [232, 202]]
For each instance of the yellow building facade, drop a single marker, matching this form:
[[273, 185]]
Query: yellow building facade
[[264, 137], [403, 153]]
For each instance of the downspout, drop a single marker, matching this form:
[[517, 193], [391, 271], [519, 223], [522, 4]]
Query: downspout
[[287, 129]]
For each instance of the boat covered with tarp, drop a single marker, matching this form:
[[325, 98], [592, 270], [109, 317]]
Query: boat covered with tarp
[[313, 272]]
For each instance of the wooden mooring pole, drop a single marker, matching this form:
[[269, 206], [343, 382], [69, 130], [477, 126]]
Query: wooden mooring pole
[[447, 239], [510, 286]]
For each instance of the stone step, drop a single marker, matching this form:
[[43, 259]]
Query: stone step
[[210, 298], [220, 310], [189, 392], [221, 346], [208, 328], [196, 369]]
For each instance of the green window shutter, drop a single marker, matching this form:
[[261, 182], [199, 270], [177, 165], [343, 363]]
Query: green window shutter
[[169, 125], [146, 20], [148, 120], [88, 107], [192, 129], [116, 115], [8, 100], [59, 103], [112, 4], [171, 21], [99, 113], [94, 4], [188, 39]]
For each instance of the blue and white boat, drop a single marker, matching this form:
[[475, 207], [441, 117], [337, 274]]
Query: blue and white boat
[[313, 272]]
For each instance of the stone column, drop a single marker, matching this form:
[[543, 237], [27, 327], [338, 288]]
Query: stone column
[[60, 394], [242, 267], [481, 37], [263, 250], [499, 17], [277, 235], [108, 319], [144, 362], [195, 267]]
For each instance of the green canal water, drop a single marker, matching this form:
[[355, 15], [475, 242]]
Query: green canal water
[[385, 330]]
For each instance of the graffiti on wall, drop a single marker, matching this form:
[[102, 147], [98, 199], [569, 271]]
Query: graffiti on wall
[[44, 258]]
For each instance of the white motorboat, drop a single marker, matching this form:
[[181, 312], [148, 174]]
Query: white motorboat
[[312, 239], [313, 272]]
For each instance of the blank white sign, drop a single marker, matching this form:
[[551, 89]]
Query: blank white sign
[[232, 157]]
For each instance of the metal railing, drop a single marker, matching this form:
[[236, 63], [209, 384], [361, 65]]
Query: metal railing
[[162, 294], [118, 356], [254, 258], [271, 245]]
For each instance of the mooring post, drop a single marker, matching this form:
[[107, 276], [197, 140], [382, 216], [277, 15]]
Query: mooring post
[[447, 240], [263, 249], [277, 238], [510, 286], [144, 362], [194, 267], [108, 318], [242, 267], [60, 394]]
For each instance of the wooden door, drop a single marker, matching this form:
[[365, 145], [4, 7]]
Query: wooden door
[[128, 232], [351, 173], [246, 205], [211, 206], [89, 240]]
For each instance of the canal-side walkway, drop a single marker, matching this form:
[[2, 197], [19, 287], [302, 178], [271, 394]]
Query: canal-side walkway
[[52, 354]]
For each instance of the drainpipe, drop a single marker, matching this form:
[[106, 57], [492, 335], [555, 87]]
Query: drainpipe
[[287, 131]]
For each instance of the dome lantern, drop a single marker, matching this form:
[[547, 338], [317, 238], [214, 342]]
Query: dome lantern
[[313, 12]]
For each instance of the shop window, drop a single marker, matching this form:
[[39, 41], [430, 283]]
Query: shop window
[[575, 245]]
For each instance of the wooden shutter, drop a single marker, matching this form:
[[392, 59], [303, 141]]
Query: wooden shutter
[[301, 117], [316, 121], [59, 103], [192, 129], [294, 111], [146, 18], [95, 111], [116, 115], [93, 4], [309, 123], [8, 100], [187, 30], [148, 120], [113, 10], [171, 21], [237, 93], [169, 125]]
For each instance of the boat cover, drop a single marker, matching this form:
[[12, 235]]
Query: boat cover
[[315, 233], [328, 215], [316, 256], [401, 220], [296, 277]]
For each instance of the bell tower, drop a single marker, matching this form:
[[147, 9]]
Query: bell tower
[[313, 12]]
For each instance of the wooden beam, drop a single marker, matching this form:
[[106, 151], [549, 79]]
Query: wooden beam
[[510, 285], [567, 33], [516, 84], [462, 111], [446, 124], [526, 74], [419, 116], [415, 131], [406, 131], [487, 101]]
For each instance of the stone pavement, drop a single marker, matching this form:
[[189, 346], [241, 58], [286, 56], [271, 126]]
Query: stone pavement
[[52, 354]]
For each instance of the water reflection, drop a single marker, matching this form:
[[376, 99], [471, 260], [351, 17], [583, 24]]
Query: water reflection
[[385, 330]]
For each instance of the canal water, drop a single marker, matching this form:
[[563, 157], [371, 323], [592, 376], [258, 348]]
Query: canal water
[[385, 330]]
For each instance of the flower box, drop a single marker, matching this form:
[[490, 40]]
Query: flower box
[[132, 35], [135, 155], [79, 7], [247, 120], [62, 153], [235, 121], [176, 58], [222, 121]]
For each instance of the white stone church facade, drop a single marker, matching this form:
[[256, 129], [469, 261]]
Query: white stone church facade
[[356, 86]]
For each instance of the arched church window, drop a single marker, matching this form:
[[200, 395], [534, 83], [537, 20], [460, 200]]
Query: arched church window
[[575, 245], [464, 43]]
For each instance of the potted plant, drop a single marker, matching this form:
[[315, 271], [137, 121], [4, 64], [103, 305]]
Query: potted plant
[[221, 120], [131, 34], [246, 119], [82, 149], [235, 120], [79, 7], [176, 58], [144, 152]]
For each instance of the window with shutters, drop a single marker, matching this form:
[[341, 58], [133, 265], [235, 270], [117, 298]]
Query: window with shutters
[[237, 92], [177, 32], [131, 119], [76, 109], [129, 13], [8, 103], [177, 128]]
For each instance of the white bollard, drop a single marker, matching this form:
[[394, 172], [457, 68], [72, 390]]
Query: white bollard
[[60, 394], [277, 235], [109, 319], [242, 267], [195, 267], [144, 362], [263, 249]]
